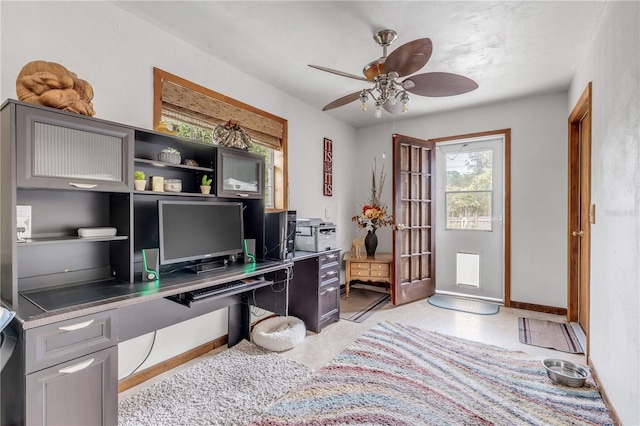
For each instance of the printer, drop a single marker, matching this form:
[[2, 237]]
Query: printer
[[315, 235]]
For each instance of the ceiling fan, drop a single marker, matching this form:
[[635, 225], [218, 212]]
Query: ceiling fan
[[385, 72]]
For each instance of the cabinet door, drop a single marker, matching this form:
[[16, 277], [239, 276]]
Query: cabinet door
[[240, 174], [58, 150], [79, 392]]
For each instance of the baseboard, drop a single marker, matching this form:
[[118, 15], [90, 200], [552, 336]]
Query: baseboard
[[156, 370], [538, 308], [605, 398]]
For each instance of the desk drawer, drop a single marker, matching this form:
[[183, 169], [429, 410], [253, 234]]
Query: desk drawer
[[328, 258], [330, 273], [65, 340]]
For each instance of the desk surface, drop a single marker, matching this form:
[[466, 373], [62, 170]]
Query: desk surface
[[105, 295]]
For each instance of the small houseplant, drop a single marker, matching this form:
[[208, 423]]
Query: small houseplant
[[205, 187], [139, 180]]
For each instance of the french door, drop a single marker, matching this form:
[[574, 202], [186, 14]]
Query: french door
[[413, 242]]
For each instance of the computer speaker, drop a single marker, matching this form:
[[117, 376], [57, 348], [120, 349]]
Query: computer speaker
[[150, 264], [249, 251]]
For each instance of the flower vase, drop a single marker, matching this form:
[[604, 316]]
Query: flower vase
[[371, 243]]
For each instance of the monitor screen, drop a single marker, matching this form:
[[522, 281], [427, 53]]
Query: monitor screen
[[198, 230]]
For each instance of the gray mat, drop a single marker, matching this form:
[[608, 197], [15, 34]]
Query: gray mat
[[464, 305], [229, 388]]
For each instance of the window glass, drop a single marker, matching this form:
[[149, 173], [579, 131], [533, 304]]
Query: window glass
[[468, 193]]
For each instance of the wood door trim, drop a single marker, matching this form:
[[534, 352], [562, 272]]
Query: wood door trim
[[583, 105], [507, 199]]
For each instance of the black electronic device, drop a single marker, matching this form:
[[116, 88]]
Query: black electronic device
[[150, 264], [200, 232], [280, 234]]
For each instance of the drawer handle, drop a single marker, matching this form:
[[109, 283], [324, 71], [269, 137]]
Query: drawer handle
[[83, 185], [77, 367], [331, 273], [331, 256], [76, 326], [328, 290], [242, 195]]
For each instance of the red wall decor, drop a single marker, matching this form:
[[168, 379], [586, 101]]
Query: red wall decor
[[327, 168]]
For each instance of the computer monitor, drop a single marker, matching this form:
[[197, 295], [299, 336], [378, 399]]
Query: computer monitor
[[199, 230]]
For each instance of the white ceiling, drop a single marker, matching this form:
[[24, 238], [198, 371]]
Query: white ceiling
[[511, 49]]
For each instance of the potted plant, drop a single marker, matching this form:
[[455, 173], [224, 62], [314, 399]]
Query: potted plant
[[205, 187], [139, 180]]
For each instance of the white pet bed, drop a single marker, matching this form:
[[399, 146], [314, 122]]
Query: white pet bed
[[279, 333]]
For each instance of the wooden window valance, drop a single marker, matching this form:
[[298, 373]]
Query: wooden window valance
[[197, 105]]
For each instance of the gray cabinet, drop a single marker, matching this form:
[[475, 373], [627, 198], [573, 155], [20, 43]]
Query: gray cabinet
[[67, 151], [65, 373], [240, 174], [80, 392], [314, 291]]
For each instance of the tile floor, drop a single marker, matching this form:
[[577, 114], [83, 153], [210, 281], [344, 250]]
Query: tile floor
[[501, 330]]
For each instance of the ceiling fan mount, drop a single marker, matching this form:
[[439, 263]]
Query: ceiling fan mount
[[385, 72]]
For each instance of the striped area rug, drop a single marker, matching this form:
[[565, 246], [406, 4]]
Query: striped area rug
[[402, 375]]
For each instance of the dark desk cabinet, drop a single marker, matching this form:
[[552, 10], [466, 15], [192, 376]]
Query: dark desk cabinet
[[314, 291]]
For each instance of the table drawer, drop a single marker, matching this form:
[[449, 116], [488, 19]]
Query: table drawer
[[360, 273], [379, 274], [379, 266], [65, 340], [359, 265]]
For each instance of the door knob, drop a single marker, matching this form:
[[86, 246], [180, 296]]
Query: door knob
[[400, 226], [577, 233]]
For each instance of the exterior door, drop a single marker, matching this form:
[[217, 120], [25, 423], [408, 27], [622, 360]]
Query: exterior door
[[580, 214], [470, 217], [414, 241]]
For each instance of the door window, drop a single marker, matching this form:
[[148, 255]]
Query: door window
[[468, 190]]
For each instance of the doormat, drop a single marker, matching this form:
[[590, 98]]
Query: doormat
[[478, 307], [362, 304], [548, 334]]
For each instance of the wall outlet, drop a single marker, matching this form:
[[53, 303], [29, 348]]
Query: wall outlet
[[327, 213], [23, 221]]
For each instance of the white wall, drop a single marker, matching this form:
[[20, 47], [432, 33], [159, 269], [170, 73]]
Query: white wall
[[613, 66], [116, 52], [538, 183]]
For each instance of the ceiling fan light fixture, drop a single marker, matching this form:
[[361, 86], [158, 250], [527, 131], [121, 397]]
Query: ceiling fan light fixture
[[386, 71], [405, 102]]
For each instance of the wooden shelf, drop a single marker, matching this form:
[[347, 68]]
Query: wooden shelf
[[174, 166]]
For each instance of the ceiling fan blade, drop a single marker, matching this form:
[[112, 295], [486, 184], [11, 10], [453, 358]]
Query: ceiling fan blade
[[342, 101], [438, 84], [344, 74], [409, 57]]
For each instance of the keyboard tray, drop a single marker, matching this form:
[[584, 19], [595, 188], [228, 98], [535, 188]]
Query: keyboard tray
[[189, 297]]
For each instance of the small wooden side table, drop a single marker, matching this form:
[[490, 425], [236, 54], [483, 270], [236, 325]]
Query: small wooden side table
[[378, 268]]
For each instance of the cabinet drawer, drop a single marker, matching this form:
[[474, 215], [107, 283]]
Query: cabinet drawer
[[329, 300], [330, 273], [362, 273], [328, 258], [83, 391], [65, 340]]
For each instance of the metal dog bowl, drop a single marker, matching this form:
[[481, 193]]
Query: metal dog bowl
[[566, 373]]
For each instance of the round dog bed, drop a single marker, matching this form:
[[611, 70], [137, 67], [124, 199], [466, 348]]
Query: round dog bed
[[279, 333]]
